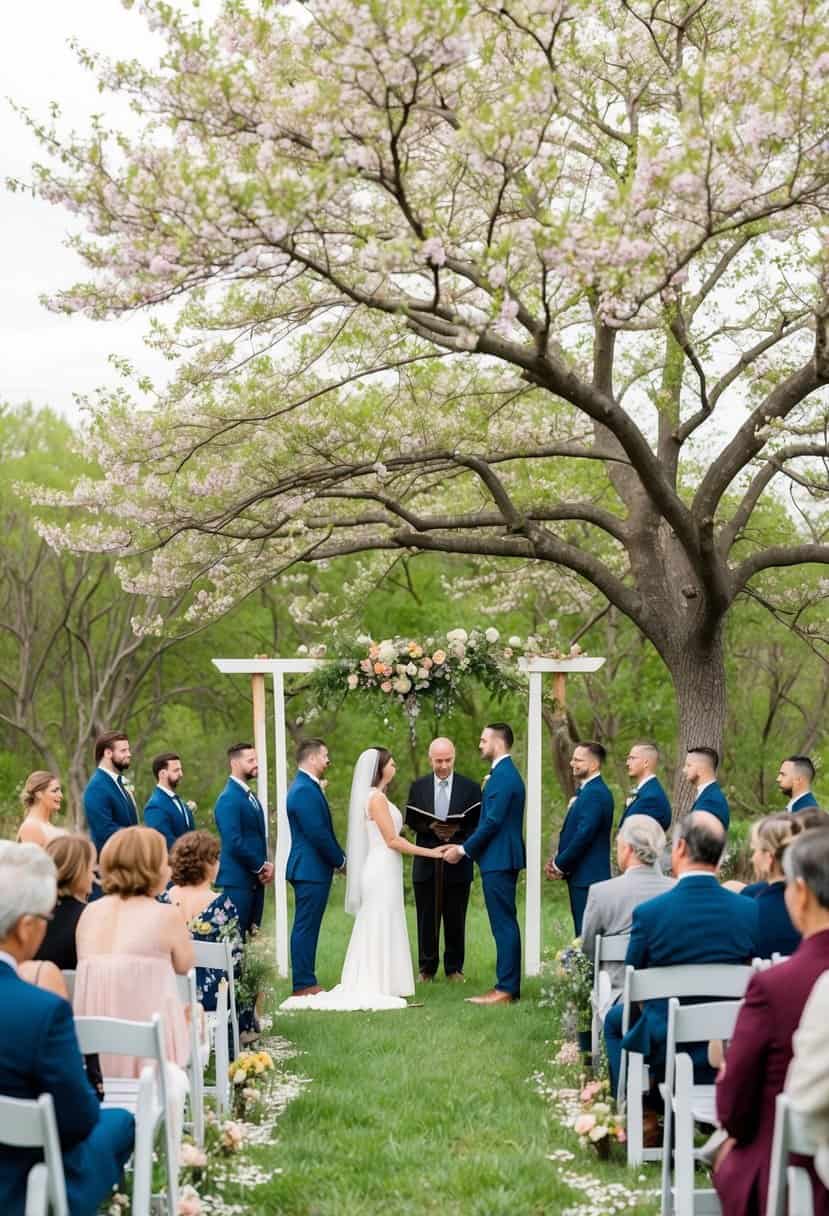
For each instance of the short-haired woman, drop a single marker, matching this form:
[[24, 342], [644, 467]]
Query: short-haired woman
[[131, 947], [41, 797]]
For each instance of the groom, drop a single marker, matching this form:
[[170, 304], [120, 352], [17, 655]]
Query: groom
[[315, 855], [497, 845]]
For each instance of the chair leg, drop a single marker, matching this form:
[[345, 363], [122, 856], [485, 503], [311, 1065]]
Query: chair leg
[[684, 1141], [634, 1108]]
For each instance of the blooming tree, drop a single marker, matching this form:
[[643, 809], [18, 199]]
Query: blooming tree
[[541, 280]]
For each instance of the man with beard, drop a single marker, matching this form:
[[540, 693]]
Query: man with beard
[[165, 810], [108, 804]]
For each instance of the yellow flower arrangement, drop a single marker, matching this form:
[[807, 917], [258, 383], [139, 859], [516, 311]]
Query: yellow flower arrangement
[[250, 1064]]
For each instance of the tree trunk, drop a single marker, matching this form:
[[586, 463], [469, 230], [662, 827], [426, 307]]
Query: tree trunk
[[698, 674]]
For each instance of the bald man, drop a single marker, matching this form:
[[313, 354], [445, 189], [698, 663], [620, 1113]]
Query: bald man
[[442, 891]]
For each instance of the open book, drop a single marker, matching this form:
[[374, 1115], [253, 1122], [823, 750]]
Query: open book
[[424, 821]]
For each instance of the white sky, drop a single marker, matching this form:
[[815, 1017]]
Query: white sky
[[45, 357]]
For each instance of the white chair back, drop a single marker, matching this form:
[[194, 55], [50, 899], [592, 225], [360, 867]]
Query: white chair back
[[186, 985], [790, 1187], [607, 950], [31, 1123], [219, 957], [143, 1040], [69, 980], [685, 1102]]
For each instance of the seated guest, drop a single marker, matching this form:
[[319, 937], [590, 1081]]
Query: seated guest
[[760, 1050], [74, 858], [610, 904], [209, 917], [695, 922], [130, 949], [701, 771], [41, 797], [795, 781], [769, 840], [807, 1081], [166, 811], [648, 798], [811, 817], [39, 1051]]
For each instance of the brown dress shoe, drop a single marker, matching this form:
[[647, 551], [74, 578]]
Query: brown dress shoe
[[651, 1130], [493, 997], [456, 977], [312, 991], [423, 978]]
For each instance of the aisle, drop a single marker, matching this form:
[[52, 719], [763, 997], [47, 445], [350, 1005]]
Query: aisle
[[433, 1109]]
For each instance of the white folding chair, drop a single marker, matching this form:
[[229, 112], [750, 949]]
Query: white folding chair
[[146, 1097], [660, 983], [31, 1123], [607, 950], [186, 985], [221, 1090], [793, 1133], [69, 980], [219, 957], [37, 1191], [687, 1103]]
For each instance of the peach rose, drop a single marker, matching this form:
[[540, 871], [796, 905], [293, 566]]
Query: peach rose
[[584, 1125], [439, 657]]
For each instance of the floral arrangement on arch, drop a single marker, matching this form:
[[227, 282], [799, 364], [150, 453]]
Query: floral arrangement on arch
[[403, 672]]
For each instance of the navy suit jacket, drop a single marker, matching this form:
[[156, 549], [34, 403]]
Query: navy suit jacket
[[584, 844], [241, 825], [651, 800], [697, 921], [315, 851], [466, 795], [807, 799], [39, 1053], [775, 933], [108, 808], [712, 799], [165, 815], [498, 841]]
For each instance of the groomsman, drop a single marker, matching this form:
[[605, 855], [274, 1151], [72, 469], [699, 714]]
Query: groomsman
[[649, 798], [444, 792], [244, 869], [165, 810], [795, 780], [583, 855], [701, 771], [497, 844], [108, 804]]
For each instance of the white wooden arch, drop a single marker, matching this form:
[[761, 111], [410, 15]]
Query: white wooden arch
[[258, 669]]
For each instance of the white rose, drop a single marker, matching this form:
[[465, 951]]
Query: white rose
[[515, 640], [363, 639], [457, 635], [423, 673], [240, 1076], [302, 649], [457, 649], [598, 1133], [411, 669], [492, 636], [387, 652], [402, 684]]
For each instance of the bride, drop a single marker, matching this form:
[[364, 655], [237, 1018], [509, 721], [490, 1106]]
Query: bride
[[377, 973]]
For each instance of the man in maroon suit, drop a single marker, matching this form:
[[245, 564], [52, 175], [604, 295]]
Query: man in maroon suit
[[761, 1048]]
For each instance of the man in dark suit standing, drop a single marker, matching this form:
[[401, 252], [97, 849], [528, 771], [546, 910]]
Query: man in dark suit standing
[[165, 810], [108, 804], [648, 798], [497, 844], [698, 921], [39, 1051], [444, 792], [315, 855], [795, 781], [583, 855], [244, 869], [701, 771]]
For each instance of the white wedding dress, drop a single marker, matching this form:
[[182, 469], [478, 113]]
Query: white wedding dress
[[377, 972]]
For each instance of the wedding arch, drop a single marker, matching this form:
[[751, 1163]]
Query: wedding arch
[[258, 669]]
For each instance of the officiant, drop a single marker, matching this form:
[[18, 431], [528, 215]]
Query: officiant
[[443, 807]]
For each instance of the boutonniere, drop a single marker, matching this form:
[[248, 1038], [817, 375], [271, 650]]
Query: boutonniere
[[191, 805], [630, 798], [486, 778], [324, 783], [572, 800]]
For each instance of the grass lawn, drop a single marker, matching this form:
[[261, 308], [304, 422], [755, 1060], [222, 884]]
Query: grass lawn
[[434, 1109]]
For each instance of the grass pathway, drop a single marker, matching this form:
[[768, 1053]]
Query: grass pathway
[[446, 1108]]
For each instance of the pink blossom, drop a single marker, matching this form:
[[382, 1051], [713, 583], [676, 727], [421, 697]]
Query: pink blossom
[[584, 1124], [433, 251]]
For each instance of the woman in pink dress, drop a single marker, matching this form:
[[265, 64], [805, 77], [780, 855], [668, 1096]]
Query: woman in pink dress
[[130, 949]]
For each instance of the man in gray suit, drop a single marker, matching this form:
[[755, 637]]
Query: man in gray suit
[[639, 846]]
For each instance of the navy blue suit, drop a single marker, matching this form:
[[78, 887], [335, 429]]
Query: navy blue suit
[[39, 1053], [775, 932], [497, 844], [108, 808], [315, 855], [584, 844], [805, 800], [697, 921], [168, 815], [713, 800], [241, 824], [650, 799]]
